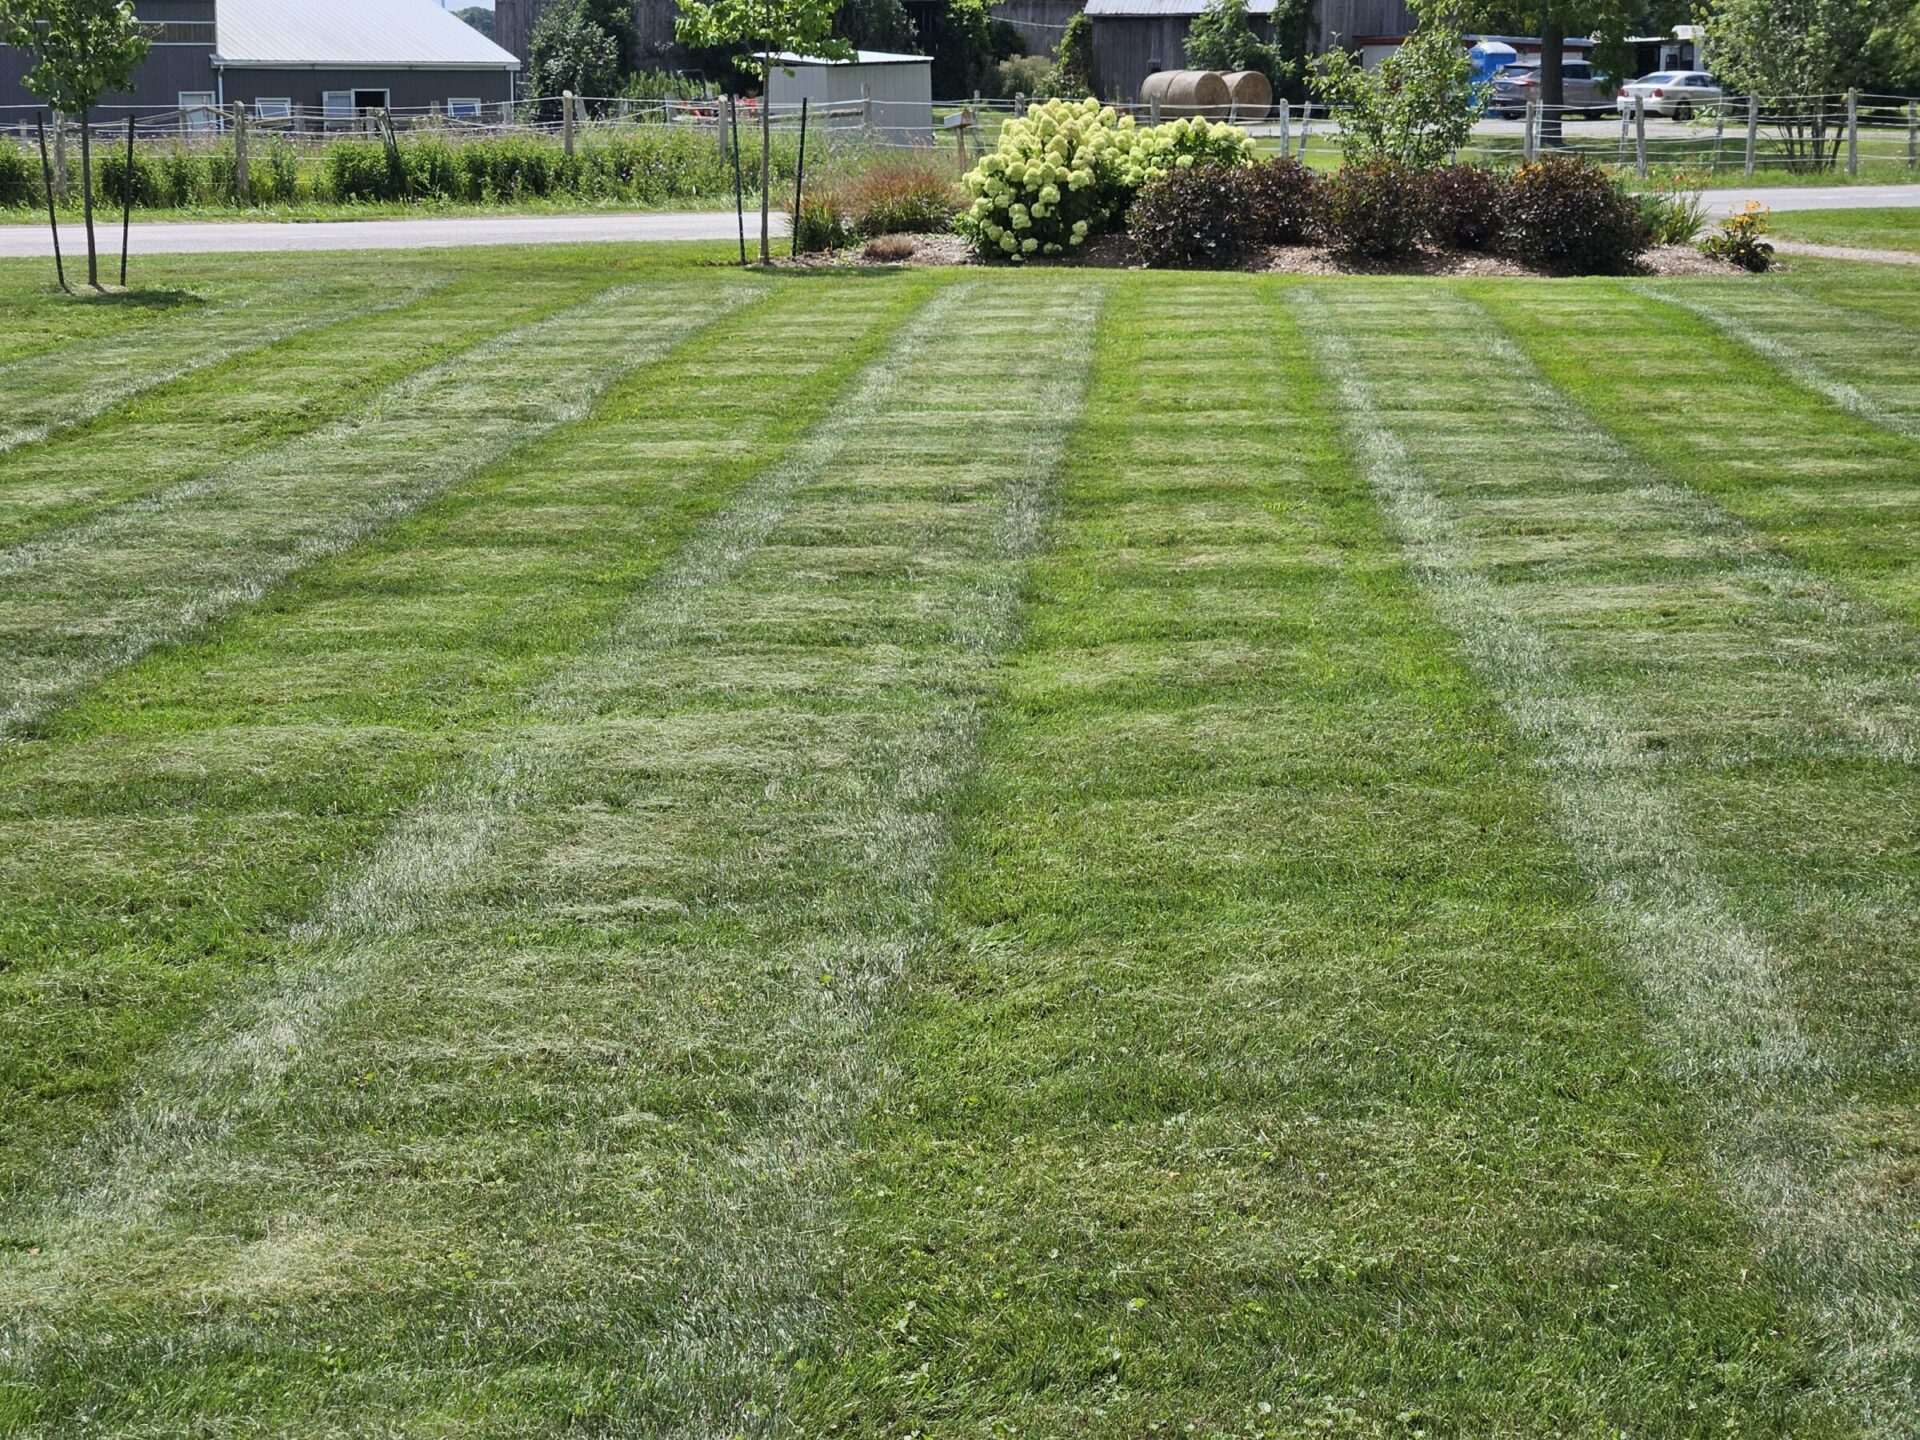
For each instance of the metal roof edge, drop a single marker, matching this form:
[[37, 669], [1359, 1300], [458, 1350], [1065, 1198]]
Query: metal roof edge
[[222, 63]]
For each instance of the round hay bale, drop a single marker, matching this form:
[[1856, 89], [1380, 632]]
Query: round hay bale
[[1249, 95], [1186, 92]]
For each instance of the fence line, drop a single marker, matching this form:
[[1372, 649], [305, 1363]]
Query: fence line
[[1813, 132]]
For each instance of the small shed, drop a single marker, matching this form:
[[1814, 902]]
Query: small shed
[[897, 91]]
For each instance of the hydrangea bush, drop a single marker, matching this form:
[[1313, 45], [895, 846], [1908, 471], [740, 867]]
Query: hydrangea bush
[[1063, 172]]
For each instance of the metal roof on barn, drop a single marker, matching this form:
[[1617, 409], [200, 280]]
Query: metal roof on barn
[[1163, 9], [351, 34]]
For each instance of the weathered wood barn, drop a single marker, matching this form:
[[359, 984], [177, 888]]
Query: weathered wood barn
[[1134, 38]]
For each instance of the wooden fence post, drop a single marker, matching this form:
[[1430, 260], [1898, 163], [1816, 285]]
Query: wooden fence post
[[1286, 116], [1640, 135], [1913, 134], [1753, 131], [242, 186], [866, 108], [1719, 132], [1528, 132], [1853, 132], [1153, 112], [566, 122]]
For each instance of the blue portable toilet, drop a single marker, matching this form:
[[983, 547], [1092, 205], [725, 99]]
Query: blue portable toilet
[[1489, 58]]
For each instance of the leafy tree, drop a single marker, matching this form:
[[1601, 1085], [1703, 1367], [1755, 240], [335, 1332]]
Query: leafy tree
[[1417, 108], [1007, 40], [1809, 50], [1608, 21], [1893, 52], [1072, 75], [82, 49], [479, 17], [768, 28], [962, 51], [570, 50], [1222, 38], [876, 25]]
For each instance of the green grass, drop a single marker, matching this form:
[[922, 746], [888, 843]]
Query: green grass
[[607, 845], [1867, 229]]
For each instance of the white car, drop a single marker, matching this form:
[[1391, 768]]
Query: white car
[[1675, 93]]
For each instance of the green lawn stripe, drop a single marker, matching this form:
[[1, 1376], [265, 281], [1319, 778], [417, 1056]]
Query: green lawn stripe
[[1830, 353], [1269, 1080], [85, 388], [818, 652], [188, 434], [1821, 485], [152, 573], [181, 818], [45, 324], [1717, 990]]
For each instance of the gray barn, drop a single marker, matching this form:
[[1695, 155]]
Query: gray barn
[[279, 56]]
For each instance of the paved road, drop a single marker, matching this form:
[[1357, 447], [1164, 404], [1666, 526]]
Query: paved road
[[1816, 197], [1847, 252], [231, 236]]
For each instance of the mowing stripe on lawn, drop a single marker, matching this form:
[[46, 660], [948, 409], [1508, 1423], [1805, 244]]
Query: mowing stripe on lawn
[[86, 388], [737, 794], [1819, 483], [1720, 990], [1814, 344], [63, 337], [188, 430], [1267, 1077], [155, 571], [156, 848]]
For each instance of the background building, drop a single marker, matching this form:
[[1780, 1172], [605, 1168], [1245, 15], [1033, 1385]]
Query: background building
[[330, 56]]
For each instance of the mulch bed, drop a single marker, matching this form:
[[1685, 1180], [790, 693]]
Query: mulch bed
[[1116, 252]]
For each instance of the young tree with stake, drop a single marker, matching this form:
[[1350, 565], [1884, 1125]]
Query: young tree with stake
[[82, 49], [765, 28]]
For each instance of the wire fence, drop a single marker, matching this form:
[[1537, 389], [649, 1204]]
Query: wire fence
[[611, 146]]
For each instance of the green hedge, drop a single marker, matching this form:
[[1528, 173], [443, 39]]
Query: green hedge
[[647, 165]]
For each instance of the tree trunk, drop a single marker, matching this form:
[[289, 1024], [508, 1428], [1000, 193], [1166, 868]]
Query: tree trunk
[[1553, 89], [86, 199], [766, 154]]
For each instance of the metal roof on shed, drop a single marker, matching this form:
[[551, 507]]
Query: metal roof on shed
[[1162, 9], [351, 34], [860, 57]]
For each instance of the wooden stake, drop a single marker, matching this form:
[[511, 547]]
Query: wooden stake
[[739, 195], [799, 174], [53, 218], [126, 204]]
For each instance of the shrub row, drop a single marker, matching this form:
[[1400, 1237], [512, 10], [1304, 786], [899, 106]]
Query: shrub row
[[1560, 213], [906, 194], [647, 165], [1066, 170]]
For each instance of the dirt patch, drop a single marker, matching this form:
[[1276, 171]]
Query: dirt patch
[[1118, 252]]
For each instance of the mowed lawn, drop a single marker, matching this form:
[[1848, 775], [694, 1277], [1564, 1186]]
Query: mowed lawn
[[595, 844]]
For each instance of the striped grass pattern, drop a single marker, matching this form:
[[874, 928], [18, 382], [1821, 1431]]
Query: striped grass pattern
[[591, 844]]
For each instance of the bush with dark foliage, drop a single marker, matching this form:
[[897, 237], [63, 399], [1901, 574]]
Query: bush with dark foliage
[[1568, 215], [1286, 197], [1466, 207], [1197, 218], [1375, 211]]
